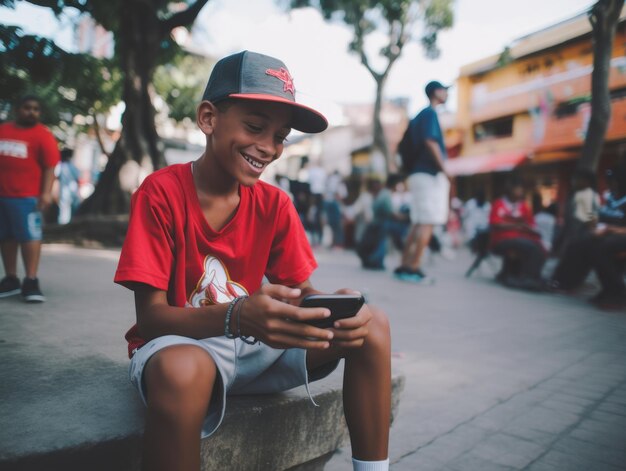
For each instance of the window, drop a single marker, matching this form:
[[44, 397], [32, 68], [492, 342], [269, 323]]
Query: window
[[493, 129], [571, 107]]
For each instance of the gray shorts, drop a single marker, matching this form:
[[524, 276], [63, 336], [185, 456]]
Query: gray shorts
[[243, 369]]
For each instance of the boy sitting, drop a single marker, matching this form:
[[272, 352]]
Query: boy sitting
[[201, 237]]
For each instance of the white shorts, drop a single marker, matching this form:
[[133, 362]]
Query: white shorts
[[430, 195], [243, 369]]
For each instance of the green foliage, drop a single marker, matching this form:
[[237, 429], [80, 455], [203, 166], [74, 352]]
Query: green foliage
[[505, 57], [181, 83], [438, 16], [69, 84], [397, 18]]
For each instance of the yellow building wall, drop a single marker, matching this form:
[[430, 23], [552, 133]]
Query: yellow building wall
[[530, 89]]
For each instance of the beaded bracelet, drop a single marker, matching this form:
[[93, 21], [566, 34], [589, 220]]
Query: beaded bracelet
[[229, 312], [243, 338]]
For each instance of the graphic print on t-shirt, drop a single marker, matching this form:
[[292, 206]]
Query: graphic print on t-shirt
[[215, 285], [12, 148]]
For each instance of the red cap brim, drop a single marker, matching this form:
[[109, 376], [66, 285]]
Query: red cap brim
[[305, 119]]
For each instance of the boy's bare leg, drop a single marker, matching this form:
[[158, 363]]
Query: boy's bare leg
[[9, 256], [366, 388], [179, 381]]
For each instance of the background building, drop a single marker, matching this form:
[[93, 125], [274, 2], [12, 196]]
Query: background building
[[529, 107]]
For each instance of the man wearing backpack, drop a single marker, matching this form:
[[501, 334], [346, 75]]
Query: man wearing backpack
[[423, 154]]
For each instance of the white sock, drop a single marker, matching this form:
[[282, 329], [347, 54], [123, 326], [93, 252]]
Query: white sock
[[370, 465]]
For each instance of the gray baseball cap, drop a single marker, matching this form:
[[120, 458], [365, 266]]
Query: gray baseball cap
[[252, 76]]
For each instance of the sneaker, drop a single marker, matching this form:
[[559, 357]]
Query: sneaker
[[9, 286], [413, 276], [399, 270], [31, 292]]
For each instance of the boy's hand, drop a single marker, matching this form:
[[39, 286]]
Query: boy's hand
[[268, 316], [351, 332]]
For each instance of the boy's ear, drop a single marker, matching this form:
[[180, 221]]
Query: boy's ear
[[206, 115]]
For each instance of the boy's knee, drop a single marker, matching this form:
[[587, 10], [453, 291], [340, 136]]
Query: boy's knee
[[180, 370]]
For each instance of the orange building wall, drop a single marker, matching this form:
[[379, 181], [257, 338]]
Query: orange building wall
[[531, 89]]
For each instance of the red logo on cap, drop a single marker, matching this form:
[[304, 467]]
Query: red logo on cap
[[283, 75]]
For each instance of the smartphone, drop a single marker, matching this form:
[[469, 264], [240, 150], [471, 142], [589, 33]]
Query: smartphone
[[341, 306]]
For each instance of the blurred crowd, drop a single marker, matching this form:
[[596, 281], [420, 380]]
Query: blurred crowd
[[587, 234]]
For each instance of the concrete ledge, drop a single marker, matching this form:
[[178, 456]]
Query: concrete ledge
[[82, 414], [283, 431]]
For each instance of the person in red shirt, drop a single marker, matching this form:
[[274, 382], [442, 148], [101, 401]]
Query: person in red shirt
[[513, 235], [201, 238], [28, 154]]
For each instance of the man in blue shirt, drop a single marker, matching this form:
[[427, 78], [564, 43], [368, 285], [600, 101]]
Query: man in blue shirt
[[428, 183]]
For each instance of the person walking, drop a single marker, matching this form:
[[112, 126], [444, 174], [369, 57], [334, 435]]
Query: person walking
[[428, 183], [28, 154]]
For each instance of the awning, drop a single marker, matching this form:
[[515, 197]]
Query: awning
[[474, 164]]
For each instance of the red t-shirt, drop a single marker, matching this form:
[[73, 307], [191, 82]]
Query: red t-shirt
[[170, 245], [504, 211], [24, 153]]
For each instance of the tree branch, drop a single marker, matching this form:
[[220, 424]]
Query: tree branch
[[358, 43], [182, 18]]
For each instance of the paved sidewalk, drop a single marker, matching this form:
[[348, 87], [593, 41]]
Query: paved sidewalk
[[495, 379]]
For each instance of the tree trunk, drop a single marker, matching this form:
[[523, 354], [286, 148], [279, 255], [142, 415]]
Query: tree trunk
[[139, 41], [603, 18], [380, 143]]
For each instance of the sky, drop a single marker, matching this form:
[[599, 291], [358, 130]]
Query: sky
[[315, 51]]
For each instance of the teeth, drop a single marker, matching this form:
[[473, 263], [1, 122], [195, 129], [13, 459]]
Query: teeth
[[254, 163]]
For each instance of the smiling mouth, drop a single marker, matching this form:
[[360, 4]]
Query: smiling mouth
[[252, 162]]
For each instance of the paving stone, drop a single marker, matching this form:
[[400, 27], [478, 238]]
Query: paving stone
[[500, 415], [575, 372], [618, 409], [453, 444], [539, 437], [569, 462], [592, 451], [608, 417], [508, 450], [564, 406], [615, 427], [569, 399], [416, 462], [541, 466], [546, 420], [556, 384], [609, 378], [617, 398], [471, 462], [600, 437], [592, 394]]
